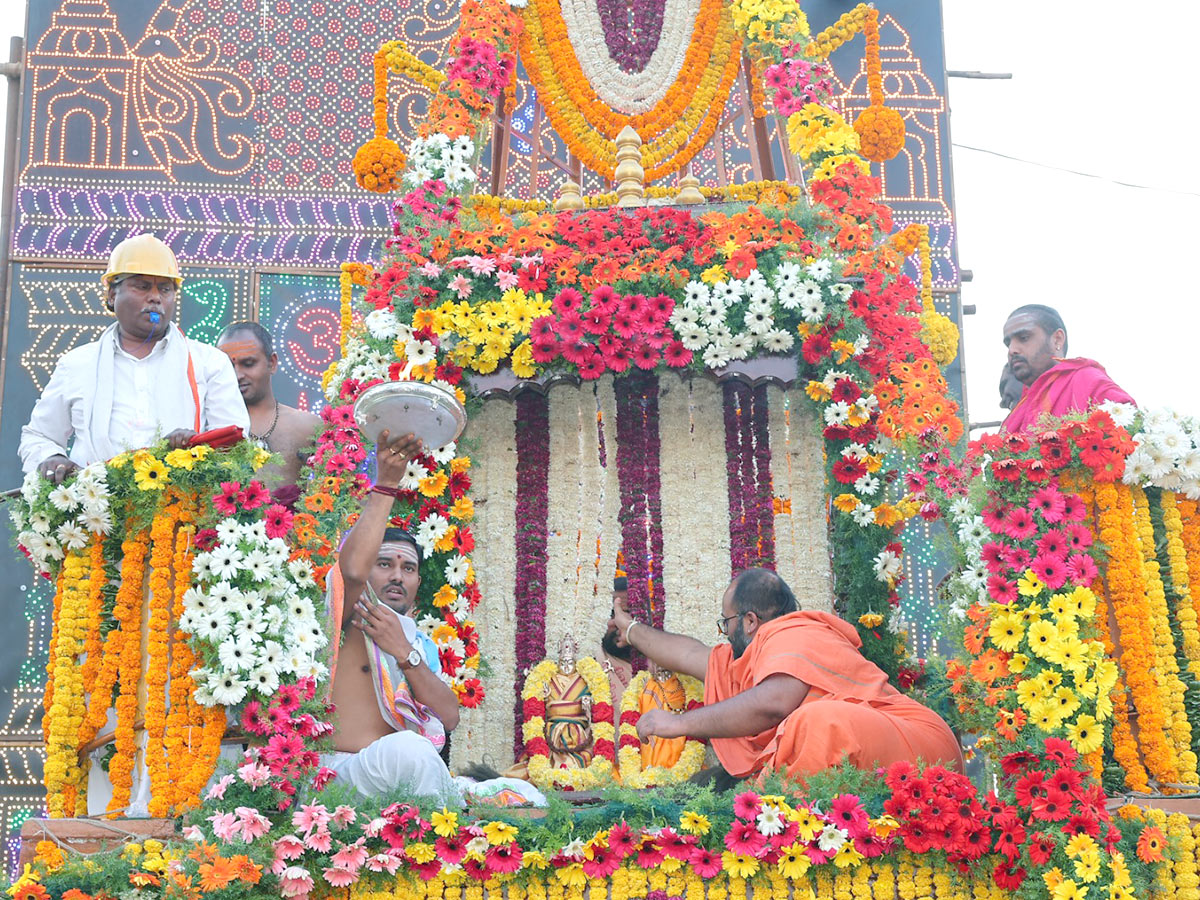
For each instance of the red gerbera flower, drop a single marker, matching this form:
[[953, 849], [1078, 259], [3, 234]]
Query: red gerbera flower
[[566, 301], [226, 502], [592, 367], [706, 863], [644, 356], [542, 329], [1008, 876], [677, 355]]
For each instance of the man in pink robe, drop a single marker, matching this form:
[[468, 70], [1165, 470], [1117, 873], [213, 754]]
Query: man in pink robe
[[1036, 339]]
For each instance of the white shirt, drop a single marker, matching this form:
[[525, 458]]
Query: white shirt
[[148, 399]]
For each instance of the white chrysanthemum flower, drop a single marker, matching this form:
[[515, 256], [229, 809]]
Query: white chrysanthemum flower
[[790, 297], [381, 324], [863, 514], [961, 510], [40, 522], [976, 576], [456, 570], [413, 473], [432, 529], [301, 571], [841, 290], [716, 356], [896, 622], [973, 531], [694, 338], [273, 620], [31, 486], [96, 521], [867, 484], [812, 309], [236, 653], [264, 680], [92, 494], [777, 341], [831, 838], [300, 609], [214, 626], [1122, 414], [64, 498], [820, 270], [770, 821], [227, 689], [196, 599], [887, 566], [787, 275], [16, 515], [739, 346], [269, 654], [443, 455], [758, 322], [53, 549], [837, 413]]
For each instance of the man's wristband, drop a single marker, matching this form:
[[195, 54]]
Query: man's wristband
[[394, 493], [629, 628]]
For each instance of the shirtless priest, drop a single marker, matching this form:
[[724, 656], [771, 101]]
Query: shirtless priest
[[393, 711], [790, 692], [282, 429]]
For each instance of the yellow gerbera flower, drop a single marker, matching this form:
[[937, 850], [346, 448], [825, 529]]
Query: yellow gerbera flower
[[151, 475]]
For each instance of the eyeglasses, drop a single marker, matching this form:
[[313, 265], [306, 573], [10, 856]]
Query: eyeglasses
[[723, 623]]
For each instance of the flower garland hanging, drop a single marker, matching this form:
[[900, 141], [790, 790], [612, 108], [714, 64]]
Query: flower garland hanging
[[162, 597], [62, 773], [377, 163], [600, 769], [629, 756], [128, 616], [532, 509]]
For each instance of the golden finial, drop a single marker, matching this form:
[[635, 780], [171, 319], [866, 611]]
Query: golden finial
[[630, 176], [689, 190], [569, 196]]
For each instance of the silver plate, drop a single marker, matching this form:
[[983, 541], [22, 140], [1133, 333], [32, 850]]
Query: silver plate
[[410, 407]]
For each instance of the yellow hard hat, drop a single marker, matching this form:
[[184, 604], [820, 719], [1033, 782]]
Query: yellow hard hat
[[142, 254]]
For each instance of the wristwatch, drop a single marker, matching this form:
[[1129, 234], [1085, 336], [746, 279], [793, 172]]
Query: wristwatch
[[411, 661]]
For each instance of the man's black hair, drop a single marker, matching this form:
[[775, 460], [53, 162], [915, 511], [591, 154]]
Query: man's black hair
[[399, 535], [763, 592], [1046, 317], [260, 334], [620, 583]]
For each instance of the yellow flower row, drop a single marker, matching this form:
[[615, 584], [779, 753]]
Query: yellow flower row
[[629, 759], [1171, 687], [65, 715]]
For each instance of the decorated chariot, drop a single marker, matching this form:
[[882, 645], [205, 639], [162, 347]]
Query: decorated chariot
[[693, 382]]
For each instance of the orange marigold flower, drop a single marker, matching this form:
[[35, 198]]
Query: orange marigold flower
[[319, 502]]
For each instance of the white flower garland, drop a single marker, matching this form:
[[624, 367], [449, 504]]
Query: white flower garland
[[86, 503], [630, 92]]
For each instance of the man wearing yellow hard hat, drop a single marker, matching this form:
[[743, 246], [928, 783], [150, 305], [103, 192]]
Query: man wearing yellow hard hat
[[142, 380]]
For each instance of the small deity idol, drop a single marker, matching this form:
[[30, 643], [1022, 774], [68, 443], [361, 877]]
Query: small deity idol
[[568, 712], [663, 691]]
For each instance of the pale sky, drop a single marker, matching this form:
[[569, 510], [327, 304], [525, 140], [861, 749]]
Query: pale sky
[[1093, 92]]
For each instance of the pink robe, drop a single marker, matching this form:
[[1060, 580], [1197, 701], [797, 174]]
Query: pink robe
[[1069, 386]]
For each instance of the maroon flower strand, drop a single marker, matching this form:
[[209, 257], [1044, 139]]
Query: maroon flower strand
[[532, 510]]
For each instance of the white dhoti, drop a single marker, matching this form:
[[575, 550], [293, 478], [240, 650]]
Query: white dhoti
[[400, 760]]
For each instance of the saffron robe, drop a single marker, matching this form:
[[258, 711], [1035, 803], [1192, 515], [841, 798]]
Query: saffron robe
[[850, 712], [1069, 386], [668, 695]]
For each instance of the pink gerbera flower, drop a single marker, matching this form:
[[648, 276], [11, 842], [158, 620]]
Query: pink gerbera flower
[[1050, 570], [644, 356], [621, 839], [451, 849], [1079, 537], [505, 858], [254, 496], [569, 327], [745, 838], [1001, 589], [1017, 558], [992, 554], [847, 812], [277, 520], [706, 863], [677, 355], [747, 805], [567, 300], [1074, 509], [600, 862], [1053, 543], [649, 854], [226, 501], [1019, 524], [1081, 568], [1048, 503]]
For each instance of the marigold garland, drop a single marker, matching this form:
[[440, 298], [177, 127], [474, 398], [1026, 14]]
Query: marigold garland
[[62, 771], [1171, 687], [181, 685], [628, 745], [599, 771], [1127, 589], [674, 130], [378, 162], [128, 615], [162, 595]]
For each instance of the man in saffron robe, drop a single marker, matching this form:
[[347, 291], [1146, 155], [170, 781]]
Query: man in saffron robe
[[1036, 339], [790, 692]]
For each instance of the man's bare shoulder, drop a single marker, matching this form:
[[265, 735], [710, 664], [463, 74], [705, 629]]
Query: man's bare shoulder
[[297, 422]]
